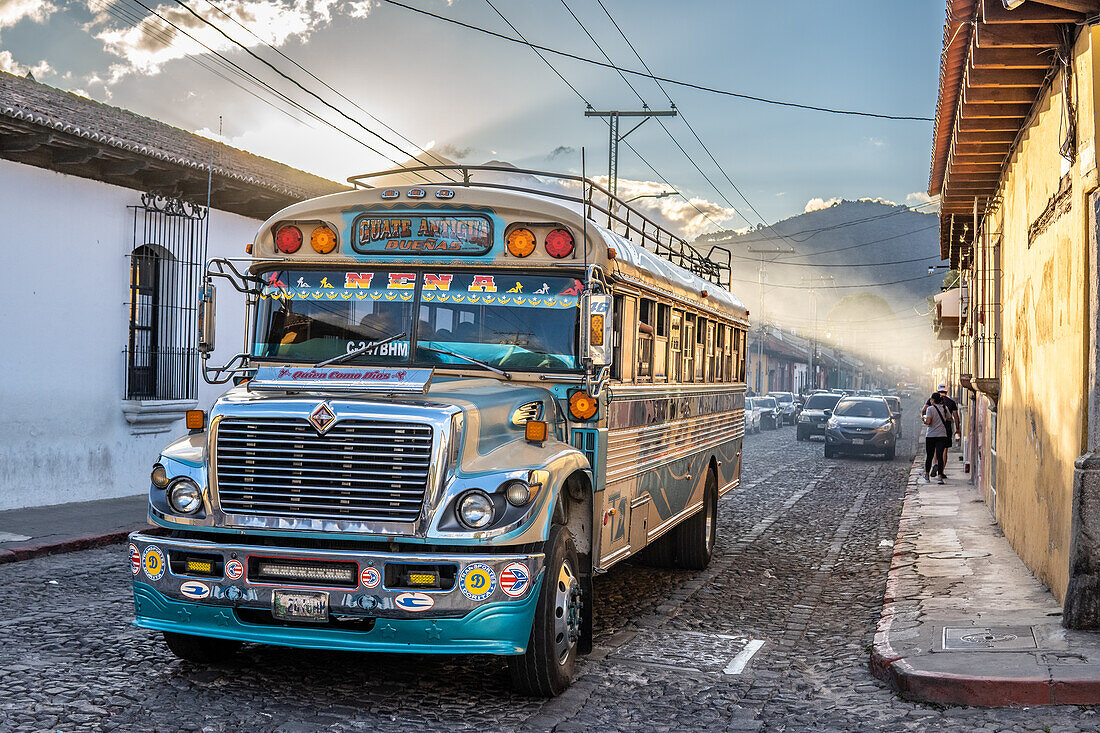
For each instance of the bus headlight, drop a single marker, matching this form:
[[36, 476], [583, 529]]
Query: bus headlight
[[185, 496], [159, 476], [517, 493], [475, 509]]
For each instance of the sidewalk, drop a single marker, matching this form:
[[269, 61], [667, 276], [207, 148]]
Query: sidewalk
[[27, 533], [964, 621]]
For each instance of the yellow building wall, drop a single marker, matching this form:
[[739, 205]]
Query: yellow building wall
[[1044, 296]]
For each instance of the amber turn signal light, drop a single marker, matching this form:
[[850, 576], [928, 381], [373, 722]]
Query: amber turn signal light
[[521, 242], [535, 431], [595, 335], [582, 406], [323, 240], [196, 419]]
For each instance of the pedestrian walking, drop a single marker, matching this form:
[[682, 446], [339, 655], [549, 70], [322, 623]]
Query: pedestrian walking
[[954, 422], [937, 436]]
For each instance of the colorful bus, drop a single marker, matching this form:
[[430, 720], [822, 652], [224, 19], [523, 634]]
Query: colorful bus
[[457, 403]]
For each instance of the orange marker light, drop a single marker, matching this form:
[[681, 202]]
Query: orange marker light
[[521, 242], [582, 406], [323, 240], [535, 431], [596, 331], [195, 419]]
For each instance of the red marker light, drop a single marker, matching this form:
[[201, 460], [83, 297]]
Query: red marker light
[[559, 243], [288, 240]]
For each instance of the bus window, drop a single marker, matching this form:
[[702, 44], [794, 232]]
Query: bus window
[[728, 357], [711, 362], [660, 344], [689, 348], [646, 321], [720, 353], [623, 349], [700, 349], [741, 354], [674, 346]]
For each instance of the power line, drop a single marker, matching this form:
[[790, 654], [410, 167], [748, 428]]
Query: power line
[[325, 84], [298, 84], [667, 80], [845, 264], [588, 104], [837, 287]]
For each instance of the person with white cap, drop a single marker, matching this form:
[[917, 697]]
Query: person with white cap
[[953, 417]]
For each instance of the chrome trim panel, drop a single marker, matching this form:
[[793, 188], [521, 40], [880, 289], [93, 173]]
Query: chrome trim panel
[[631, 451]]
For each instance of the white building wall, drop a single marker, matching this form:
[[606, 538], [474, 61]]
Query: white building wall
[[64, 293]]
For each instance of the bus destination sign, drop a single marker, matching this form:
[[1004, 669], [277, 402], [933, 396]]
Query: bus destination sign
[[404, 234]]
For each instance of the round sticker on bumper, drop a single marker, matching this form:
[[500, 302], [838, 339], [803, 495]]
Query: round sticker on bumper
[[152, 562], [415, 602], [195, 589], [370, 577], [515, 579], [478, 581], [234, 570], [135, 560]]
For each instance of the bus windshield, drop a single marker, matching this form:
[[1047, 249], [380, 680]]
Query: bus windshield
[[507, 320]]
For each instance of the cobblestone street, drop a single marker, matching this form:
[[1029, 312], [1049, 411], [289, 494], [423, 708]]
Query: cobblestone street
[[804, 547]]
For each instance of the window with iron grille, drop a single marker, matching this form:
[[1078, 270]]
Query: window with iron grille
[[987, 326], [165, 273]]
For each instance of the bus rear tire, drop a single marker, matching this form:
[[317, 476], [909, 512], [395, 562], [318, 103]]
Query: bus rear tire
[[693, 541], [201, 649], [546, 668]]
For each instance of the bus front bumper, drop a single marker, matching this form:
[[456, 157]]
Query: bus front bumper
[[368, 617]]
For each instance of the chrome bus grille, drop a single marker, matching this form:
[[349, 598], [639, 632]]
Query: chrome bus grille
[[360, 470]]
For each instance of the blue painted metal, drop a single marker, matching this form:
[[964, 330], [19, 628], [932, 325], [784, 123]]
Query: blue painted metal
[[495, 628]]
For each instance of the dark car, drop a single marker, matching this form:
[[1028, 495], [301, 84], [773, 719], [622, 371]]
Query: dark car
[[860, 425], [895, 411], [787, 407], [813, 418], [769, 417]]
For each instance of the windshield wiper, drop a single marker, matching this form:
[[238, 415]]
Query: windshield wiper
[[470, 359], [361, 350]]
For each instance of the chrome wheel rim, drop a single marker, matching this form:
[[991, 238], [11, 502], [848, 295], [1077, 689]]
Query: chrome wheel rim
[[567, 612]]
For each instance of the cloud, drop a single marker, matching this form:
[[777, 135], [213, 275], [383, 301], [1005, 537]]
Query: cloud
[[561, 150], [10, 65], [924, 201], [689, 217], [454, 152], [876, 141], [878, 200], [817, 204], [13, 11], [162, 36]]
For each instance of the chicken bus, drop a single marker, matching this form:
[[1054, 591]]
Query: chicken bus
[[456, 404]]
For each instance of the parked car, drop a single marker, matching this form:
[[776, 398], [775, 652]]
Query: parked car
[[786, 406], [813, 418], [752, 416], [895, 411], [769, 412], [860, 425]]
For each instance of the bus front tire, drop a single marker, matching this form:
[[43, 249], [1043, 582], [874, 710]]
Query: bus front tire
[[693, 540], [200, 649], [546, 668]]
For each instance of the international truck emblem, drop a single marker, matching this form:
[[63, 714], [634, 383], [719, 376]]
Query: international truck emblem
[[322, 418]]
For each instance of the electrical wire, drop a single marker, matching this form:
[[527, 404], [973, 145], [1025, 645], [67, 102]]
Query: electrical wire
[[667, 80], [838, 287]]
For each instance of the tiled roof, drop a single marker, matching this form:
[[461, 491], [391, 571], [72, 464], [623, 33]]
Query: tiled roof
[[66, 121]]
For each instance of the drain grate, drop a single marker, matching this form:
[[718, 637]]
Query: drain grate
[[690, 650], [988, 638]]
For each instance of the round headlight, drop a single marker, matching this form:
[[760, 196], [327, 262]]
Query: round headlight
[[184, 496], [517, 493], [475, 509], [159, 477]]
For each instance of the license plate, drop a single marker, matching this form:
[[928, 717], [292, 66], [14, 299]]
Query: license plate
[[298, 606], [821, 424], [857, 441]]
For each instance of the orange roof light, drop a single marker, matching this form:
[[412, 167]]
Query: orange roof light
[[521, 242], [582, 406], [535, 431], [323, 240], [195, 419]]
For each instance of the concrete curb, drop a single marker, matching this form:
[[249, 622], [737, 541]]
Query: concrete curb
[[17, 552], [919, 678]]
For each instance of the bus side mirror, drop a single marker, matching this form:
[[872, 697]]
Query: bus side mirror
[[206, 318], [596, 333]]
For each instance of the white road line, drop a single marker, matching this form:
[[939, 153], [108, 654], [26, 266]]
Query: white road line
[[738, 663]]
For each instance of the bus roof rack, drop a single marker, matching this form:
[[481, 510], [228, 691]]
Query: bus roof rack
[[595, 200]]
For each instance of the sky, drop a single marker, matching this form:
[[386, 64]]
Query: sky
[[475, 98]]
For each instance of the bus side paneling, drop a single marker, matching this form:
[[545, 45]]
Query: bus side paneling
[[660, 440]]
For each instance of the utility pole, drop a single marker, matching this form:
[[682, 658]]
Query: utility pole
[[760, 337], [615, 138], [821, 279]]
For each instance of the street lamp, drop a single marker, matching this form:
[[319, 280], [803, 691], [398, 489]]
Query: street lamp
[[660, 195]]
